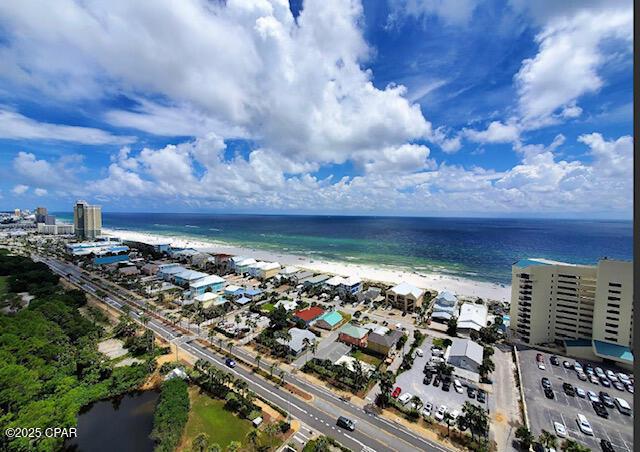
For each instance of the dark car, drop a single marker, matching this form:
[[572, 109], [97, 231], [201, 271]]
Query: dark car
[[604, 381], [436, 381], [229, 362], [606, 445], [600, 409], [481, 397], [588, 368], [427, 379], [548, 393], [606, 399], [554, 360], [567, 364], [471, 392], [446, 384], [569, 389], [539, 357], [347, 423], [546, 384]]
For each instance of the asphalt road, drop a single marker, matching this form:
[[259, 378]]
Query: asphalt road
[[371, 433]]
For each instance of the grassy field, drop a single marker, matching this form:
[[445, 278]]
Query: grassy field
[[366, 358], [208, 416], [267, 307]]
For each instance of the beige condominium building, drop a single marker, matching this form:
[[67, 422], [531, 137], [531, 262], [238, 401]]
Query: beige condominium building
[[87, 220], [586, 308]]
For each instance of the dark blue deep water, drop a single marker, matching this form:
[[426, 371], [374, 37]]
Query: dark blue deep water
[[476, 248]]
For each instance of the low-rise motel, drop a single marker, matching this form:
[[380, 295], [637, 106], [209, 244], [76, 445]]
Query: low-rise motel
[[586, 308]]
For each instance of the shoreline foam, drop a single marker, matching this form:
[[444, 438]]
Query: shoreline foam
[[433, 281]]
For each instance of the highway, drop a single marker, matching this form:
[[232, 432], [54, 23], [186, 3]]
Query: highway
[[320, 414]]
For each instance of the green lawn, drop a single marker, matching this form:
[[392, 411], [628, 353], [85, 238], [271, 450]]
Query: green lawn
[[208, 416], [267, 307], [366, 358]]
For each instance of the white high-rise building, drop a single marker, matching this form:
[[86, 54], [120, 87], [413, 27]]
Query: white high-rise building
[[587, 308], [87, 220]]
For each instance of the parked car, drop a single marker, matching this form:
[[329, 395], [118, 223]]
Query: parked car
[[606, 446], [427, 379], [593, 397], [458, 386], [419, 352], [582, 376], [548, 393], [539, 357], [554, 360], [629, 388], [599, 372], [405, 398], [600, 409], [230, 363], [568, 389], [546, 384], [440, 413], [624, 378], [481, 397], [583, 425], [580, 393], [396, 392], [566, 364], [347, 423], [604, 381], [471, 393], [619, 386], [541, 365], [446, 385], [593, 379], [427, 409], [606, 399], [611, 375], [623, 406], [577, 366], [561, 430]]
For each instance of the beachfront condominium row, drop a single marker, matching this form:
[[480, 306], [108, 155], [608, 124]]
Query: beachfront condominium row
[[87, 220], [586, 308]]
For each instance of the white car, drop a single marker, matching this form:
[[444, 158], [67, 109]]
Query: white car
[[599, 372], [611, 375], [457, 385], [593, 379], [404, 398], [454, 415], [584, 425], [624, 378], [577, 366], [581, 393], [440, 413], [426, 410], [593, 397], [437, 359], [561, 430], [419, 352], [541, 366]]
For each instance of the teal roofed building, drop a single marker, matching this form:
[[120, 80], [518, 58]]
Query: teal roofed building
[[329, 320]]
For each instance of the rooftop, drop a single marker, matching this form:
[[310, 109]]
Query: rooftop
[[387, 339], [309, 314], [468, 348], [405, 288], [210, 279], [613, 351], [354, 331], [331, 317], [522, 263], [473, 316], [298, 337]]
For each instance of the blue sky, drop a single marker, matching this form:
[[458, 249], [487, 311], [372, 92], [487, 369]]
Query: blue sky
[[407, 107]]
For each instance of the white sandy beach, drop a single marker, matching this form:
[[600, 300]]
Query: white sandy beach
[[459, 286]]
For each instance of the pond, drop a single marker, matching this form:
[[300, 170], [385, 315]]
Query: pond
[[123, 424]]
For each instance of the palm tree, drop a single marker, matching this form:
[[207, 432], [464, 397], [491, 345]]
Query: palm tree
[[234, 446], [447, 420], [415, 400], [271, 369], [258, 359], [306, 343], [548, 440], [215, 447], [144, 318], [200, 443], [230, 346], [524, 435], [570, 445], [282, 374], [386, 381]]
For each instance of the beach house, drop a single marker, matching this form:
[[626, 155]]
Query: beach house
[[314, 281], [353, 335], [187, 277], [466, 358], [382, 340], [299, 340], [268, 270], [329, 320], [472, 317], [168, 271], [444, 307], [209, 283], [243, 266], [233, 290], [405, 297], [340, 285], [308, 315]]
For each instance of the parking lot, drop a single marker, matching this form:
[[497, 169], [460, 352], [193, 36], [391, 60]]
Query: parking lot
[[411, 381], [543, 412]]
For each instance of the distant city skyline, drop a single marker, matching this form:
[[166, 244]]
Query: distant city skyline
[[490, 108]]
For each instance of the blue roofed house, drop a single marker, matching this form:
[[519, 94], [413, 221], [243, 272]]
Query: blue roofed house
[[233, 290], [329, 320], [252, 293], [210, 283], [187, 277]]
